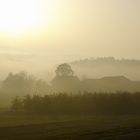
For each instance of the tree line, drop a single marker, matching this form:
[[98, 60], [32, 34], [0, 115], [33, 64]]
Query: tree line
[[83, 103]]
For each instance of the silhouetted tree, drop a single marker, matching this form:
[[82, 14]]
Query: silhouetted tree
[[16, 104], [21, 84], [18, 84], [64, 70], [65, 80], [27, 103]]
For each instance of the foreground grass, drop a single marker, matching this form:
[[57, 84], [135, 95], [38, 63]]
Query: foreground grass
[[42, 127]]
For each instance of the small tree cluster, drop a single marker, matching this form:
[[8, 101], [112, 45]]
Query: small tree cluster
[[21, 83]]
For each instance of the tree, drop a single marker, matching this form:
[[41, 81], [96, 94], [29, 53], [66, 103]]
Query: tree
[[64, 70], [27, 103], [18, 84], [16, 104], [65, 80]]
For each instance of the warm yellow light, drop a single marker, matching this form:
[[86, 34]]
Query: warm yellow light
[[18, 16]]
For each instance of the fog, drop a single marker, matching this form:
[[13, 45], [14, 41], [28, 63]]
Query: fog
[[97, 38], [76, 30], [69, 69]]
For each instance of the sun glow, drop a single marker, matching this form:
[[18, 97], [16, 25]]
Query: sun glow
[[19, 16]]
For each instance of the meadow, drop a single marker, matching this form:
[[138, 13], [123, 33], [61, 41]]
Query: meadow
[[72, 117], [66, 127]]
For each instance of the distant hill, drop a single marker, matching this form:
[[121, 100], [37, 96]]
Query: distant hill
[[107, 66]]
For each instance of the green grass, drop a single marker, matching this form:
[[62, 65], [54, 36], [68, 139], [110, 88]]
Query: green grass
[[42, 127]]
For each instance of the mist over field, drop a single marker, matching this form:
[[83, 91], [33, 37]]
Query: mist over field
[[107, 66], [69, 69], [65, 31], [84, 68]]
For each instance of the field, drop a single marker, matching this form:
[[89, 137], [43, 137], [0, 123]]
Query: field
[[97, 127]]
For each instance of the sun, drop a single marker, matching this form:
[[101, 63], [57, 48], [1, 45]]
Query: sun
[[17, 16]]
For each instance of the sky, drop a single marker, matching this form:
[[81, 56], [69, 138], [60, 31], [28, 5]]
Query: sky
[[34, 33]]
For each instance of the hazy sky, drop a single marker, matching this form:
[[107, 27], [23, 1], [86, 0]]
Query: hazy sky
[[53, 31]]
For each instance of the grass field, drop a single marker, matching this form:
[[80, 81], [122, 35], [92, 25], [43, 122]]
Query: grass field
[[35, 127]]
